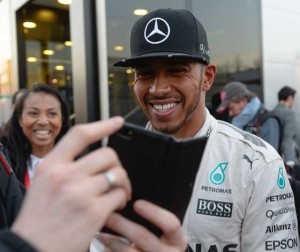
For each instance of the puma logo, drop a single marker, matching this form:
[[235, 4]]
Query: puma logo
[[249, 160]]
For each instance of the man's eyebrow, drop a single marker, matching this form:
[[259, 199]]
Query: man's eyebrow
[[179, 62], [142, 65]]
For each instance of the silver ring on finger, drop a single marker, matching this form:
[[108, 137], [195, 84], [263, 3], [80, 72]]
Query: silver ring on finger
[[111, 179]]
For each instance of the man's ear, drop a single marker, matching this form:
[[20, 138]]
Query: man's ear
[[244, 101], [209, 76]]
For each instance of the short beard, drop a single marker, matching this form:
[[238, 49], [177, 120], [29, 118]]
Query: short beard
[[190, 111]]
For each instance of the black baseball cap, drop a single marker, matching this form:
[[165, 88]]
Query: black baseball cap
[[167, 33]]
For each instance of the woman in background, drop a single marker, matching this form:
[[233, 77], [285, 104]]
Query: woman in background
[[5, 127], [40, 119]]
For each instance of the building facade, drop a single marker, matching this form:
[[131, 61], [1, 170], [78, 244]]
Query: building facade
[[73, 47]]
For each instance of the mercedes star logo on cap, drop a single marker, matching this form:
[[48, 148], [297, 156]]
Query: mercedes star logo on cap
[[156, 26]]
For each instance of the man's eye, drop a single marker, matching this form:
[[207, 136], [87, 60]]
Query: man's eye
[[142, 74], [178, 70]]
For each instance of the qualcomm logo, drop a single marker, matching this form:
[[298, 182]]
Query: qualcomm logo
[[281, 179], [156, 26], [217, 175]]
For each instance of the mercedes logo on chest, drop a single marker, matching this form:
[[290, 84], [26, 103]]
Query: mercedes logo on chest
[[156, 31]]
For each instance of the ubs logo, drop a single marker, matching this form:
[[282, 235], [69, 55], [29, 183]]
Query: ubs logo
[[157, 31]]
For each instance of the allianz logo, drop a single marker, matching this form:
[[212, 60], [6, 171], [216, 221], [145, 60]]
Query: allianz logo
[[281, 227]]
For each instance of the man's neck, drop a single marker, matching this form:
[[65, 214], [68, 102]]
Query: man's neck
[[284, 103]]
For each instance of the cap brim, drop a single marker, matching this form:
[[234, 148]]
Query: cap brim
[[223, 106], [133, 61]]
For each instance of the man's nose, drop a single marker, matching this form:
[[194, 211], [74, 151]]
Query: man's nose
[[161, 84]]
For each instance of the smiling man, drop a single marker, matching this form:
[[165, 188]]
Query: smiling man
[[229, 209], [171, 93]]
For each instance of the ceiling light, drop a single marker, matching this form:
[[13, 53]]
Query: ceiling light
[[68, 43], [119, 48], [48, 52], [46, 15], [129, 71], [32, 59], [59, 67], [29, 25], [65, 2], [140, 12]]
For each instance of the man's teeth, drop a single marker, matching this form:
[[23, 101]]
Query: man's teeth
[[164, 107]]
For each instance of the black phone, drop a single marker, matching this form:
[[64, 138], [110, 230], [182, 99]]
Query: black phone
[[161, 168]]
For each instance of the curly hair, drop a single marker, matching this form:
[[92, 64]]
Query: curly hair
[[18, 146]]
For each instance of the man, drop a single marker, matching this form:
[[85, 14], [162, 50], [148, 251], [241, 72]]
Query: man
[[241, 200], [248, 113], [72, 199], [286, 98], [289, 148]]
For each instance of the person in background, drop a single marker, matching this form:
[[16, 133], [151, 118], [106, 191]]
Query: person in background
[[236, 203], [5, 127], [289, 148], [73, 198], [38, 122], [16, 97], [213, 106], [248, 113]]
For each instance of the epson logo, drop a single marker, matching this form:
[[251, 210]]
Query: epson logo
[[281, 244], [214, 208]]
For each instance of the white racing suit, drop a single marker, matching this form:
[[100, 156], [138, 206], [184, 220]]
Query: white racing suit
[[242, 199]]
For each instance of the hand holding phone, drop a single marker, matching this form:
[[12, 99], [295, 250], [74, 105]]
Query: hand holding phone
[[161, 168]]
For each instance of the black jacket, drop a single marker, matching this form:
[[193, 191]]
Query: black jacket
[[11, 192], [11, 195]]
